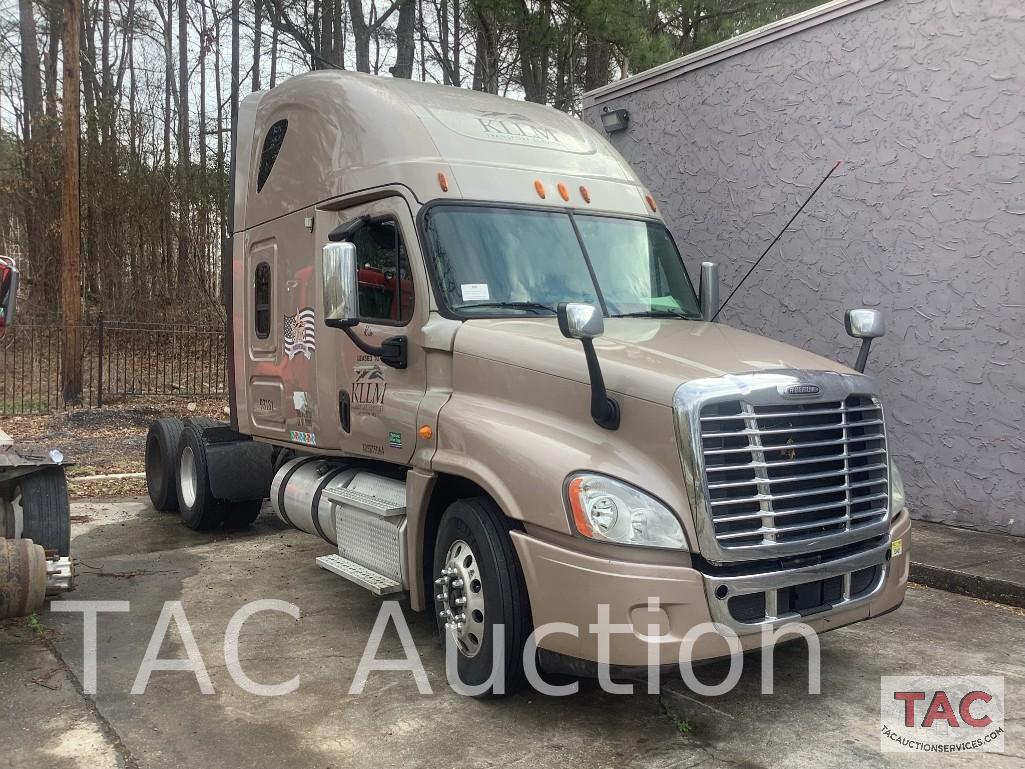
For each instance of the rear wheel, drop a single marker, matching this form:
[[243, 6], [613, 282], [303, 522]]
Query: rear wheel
[[199, 508], [479, 585], [41, 506], [161, 452]]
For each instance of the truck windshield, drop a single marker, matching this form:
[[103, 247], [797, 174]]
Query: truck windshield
[[525, 262]]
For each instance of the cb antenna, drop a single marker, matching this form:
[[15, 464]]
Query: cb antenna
[[775, 239]]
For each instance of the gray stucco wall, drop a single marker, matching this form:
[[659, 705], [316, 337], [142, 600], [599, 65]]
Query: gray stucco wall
[[924, 101]]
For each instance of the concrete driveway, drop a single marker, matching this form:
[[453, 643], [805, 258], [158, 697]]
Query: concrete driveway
[[131, 553]]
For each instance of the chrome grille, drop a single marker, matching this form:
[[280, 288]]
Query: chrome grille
[[791, 472], [776, 475]]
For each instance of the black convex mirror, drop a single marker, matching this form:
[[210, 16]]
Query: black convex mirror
[[865, 325], [585, 322]]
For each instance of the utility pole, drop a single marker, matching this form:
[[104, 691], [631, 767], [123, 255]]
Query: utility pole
[[70, 257]]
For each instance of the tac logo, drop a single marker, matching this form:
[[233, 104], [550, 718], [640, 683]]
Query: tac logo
[[931, 714]]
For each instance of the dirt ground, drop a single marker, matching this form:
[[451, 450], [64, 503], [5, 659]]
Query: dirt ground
[[105, 441]]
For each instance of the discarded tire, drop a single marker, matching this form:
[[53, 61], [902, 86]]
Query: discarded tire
[[45, 510], [161, 459], [22, 577]]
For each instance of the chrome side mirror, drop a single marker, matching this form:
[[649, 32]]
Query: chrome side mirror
[[341, 298], [865, 325], [708, 291], [580, 321]]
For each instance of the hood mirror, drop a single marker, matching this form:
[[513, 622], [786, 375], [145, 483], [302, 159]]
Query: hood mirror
[[585, 322], [580, 321], [865, 325]]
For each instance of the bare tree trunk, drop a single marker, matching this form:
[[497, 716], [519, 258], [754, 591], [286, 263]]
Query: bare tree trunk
[[184, 272], [404, 44], [274, 56], [36, 268], [70, 268], [486, 55], [257, 42]]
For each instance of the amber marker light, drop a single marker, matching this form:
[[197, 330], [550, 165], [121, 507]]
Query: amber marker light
[[443, 182], [539, 188], [425, 432], [563, 192], [651, 202], [579, 514], [585, 194]]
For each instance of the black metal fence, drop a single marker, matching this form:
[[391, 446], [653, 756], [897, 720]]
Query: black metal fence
[[120, 360]]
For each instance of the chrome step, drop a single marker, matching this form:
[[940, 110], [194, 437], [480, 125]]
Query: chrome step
[[366, 502], [376, 583]]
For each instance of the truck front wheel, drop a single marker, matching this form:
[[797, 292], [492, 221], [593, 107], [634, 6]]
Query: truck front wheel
[[199, 508], [479, 585]]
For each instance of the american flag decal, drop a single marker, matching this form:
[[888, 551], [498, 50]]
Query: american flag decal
[[299, 332]]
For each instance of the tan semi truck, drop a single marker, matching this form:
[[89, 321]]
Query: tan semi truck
[[465, 352]]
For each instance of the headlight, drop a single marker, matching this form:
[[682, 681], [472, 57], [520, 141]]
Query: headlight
[[611, 511], [897, 500]]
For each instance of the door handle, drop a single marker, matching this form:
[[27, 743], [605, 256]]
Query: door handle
[[345, 410]]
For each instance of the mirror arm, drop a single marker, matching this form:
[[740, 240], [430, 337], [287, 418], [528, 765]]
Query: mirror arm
[[604, 410], [862, 361], [394, 351]]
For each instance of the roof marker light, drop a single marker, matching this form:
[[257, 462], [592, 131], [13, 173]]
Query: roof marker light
[[563, 192], [585, 194], [539, 188], [651, 202], [443, 181]]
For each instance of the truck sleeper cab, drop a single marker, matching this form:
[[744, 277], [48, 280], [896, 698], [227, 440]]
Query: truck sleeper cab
[[467, 354]]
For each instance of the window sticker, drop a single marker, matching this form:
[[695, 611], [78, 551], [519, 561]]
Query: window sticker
[[473, 292]]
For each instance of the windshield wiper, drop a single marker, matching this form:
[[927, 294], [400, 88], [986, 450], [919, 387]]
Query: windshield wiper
[[655, 314], [535, 306]]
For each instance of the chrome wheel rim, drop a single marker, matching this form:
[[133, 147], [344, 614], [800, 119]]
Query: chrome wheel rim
[[461, 598], [187, 476]]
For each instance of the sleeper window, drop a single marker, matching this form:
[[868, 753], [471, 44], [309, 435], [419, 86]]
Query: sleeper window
[[269, 154], [261, 300], [384, 280]]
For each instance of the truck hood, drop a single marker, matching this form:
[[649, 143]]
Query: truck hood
[[644, 357]]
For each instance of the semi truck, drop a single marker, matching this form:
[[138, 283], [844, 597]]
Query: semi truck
[[465, 351], [35, 515]]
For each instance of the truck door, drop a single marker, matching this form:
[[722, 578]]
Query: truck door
[[378, 403]]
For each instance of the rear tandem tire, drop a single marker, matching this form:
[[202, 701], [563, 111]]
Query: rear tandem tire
[[161, 462], [200, 510], [46, 512]]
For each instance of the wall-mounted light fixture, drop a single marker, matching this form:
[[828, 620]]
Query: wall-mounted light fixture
[[614, 120]]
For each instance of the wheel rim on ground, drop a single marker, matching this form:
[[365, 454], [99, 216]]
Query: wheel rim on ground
[[187, 476], [461, 598]]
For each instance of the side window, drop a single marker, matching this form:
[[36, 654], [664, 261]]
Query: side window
[[261, 300], [271, 147], [384, 280]]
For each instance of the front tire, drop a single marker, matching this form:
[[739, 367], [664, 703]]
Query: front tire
[[41, 503], [476, 567], [199, 508]]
